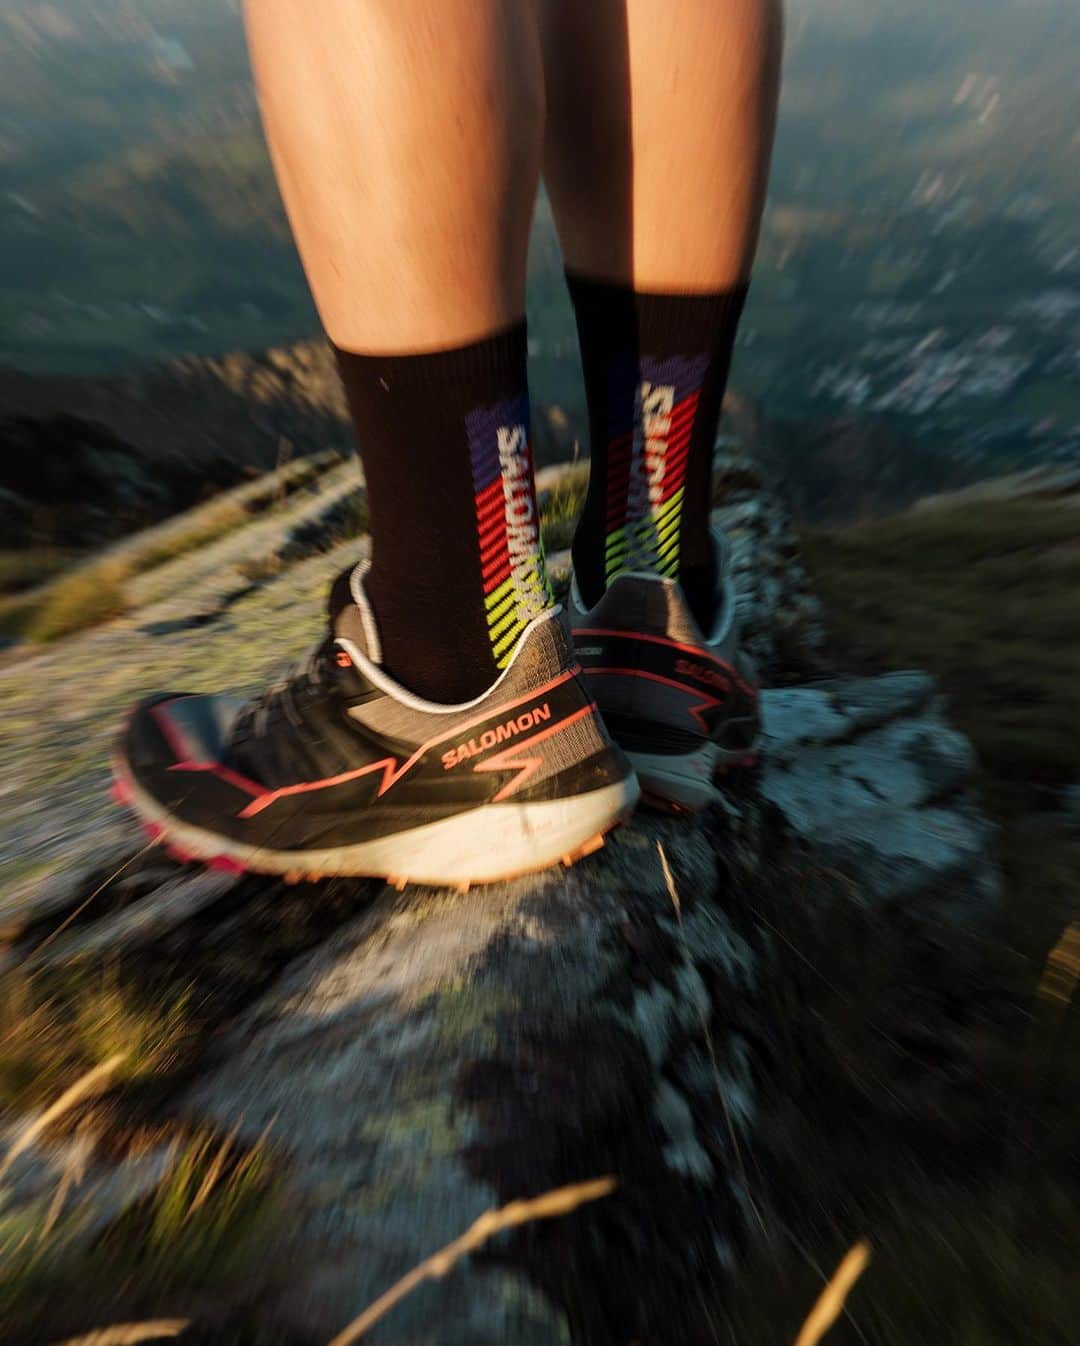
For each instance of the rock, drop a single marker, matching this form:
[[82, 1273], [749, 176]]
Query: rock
[[780, 616], [177, 899], [870, 777], [446, 1054], [442, 1054]]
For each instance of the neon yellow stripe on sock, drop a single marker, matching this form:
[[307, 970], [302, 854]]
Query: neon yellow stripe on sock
[[508, 641], [500, 595]]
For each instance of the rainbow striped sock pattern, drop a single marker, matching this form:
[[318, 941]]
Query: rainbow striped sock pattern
[[651, 409], [514, 575]]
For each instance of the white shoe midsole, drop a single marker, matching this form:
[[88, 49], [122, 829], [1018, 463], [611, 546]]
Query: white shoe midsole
[[488, 843], [685, 779]]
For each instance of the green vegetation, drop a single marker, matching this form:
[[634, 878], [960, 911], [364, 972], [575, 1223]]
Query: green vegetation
[[54, 1028], [207, 525], [988, 599], [926, 1103], [200, 1224], [15, 612], [200, 1228], [84, 598], [933, 1083], [26, 568], [355, 519], [259, 569], [559, 511], [210, 1207]]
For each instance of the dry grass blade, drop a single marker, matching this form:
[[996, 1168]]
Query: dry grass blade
[[127, 1334], [84, 1087], [1062, 970], [559, 1201], [669, 879], [831, 1301], [74, 915]]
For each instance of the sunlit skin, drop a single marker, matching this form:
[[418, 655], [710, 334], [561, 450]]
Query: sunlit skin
[[660, 123], [408, 137]]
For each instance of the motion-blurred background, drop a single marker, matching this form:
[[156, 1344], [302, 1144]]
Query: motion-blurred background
[[899, 471], [919, 278]]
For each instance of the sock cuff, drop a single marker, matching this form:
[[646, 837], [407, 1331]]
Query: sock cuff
[[658, 322], [498, 358]]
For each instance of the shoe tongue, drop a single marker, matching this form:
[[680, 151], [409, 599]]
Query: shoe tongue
[[347, 622], [340, 595], [348, 625]]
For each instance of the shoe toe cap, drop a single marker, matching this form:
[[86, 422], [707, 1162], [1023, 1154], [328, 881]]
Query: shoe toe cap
[[175, 727]]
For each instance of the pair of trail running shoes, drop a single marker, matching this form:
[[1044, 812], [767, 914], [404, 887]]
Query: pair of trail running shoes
[[339, 770]]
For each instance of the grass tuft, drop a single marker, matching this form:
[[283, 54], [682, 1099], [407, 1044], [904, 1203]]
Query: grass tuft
[[259, 569], [32, 565], [81, 599], [931, 1080], [211, 523], [50, 1033], [561, 509], [198, 1227]]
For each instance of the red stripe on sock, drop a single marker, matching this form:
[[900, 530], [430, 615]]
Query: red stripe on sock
[[675, 461], [500, 576], [668, 491], [494, 559], [686, 408], [489, 499], [491, 532]]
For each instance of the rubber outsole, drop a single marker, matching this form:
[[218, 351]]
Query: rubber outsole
[[569, 842]]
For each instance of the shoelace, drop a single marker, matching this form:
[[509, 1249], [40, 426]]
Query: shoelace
[[302, 680]]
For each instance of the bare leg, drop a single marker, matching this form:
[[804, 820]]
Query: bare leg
[[406, 135], [413, 743], [661, 116], [660, 124]]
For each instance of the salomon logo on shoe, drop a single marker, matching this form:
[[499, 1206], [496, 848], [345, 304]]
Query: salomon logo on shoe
[[712, 677], [491, 738]]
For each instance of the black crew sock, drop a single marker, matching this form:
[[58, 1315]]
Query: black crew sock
[[457, 569], [656, 368]]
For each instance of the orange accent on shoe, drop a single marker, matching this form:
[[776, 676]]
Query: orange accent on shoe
[[508, 759], [392, 769]]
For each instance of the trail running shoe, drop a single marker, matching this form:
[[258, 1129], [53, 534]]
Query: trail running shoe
[[682, 705], [340, 770]]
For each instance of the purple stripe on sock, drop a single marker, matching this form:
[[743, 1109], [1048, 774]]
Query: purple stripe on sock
[[482, 427], [682, 372]]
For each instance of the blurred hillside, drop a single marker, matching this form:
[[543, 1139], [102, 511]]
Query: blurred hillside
[[920, 259], [864, 970], [88, 460]]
